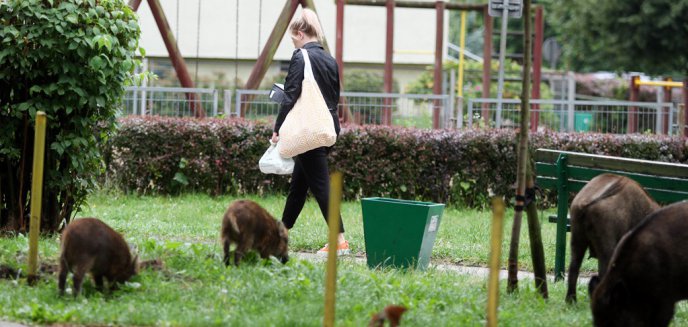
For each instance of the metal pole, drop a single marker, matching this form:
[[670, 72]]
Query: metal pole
[[632, 123], [339, 40], [487, 64], [144, 83], [462, 45], [684, 123], [228, 103], [502, 52], [389, 66], [175, 55], [572, 98], [333, 222], [214, 103], [439, 48], [36, 195], [537, 68], [449, 116]]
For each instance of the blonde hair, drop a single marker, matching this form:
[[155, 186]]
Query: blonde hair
[[308, 23]]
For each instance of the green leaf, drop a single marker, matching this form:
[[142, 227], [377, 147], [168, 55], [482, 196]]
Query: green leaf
[[180, 178], [72, 19], [96, 62]]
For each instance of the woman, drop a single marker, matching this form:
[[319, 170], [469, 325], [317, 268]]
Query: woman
[[310, 168]]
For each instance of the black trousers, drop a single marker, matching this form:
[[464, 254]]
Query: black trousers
[[310, 172]]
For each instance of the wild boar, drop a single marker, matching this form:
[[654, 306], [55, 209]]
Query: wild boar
[[89, 245], [601, 213], [250, 227], [647, 272]]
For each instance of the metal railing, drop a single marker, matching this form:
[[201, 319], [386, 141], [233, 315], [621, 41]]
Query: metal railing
[[409, 110], [615, 117], [169, 101], [416, 110]]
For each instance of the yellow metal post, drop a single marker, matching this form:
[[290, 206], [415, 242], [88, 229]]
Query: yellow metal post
[[36, 194], [659, 83], [333, 221], [462, 45], [495, 255]]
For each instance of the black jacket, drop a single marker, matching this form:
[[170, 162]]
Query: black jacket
[[326, 74]]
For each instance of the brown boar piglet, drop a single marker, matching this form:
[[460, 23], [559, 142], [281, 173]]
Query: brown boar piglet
[[89, 245], [251, 227]]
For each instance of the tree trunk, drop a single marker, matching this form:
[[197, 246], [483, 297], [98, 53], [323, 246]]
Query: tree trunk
[[512, 280], [537, 251]]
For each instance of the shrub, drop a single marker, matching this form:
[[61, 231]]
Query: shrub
[[69, 59], [171, 155]]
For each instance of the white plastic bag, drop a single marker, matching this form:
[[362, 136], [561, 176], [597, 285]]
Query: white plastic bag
[[272, 163]]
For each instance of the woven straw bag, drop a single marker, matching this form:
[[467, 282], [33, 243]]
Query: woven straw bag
[[309, 124]]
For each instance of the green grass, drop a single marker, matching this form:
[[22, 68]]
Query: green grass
[[195, 289]]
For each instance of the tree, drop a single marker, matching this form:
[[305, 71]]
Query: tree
[[70, 59], [623, 35]]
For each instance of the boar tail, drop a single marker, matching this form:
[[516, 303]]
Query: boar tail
[[230, 225]]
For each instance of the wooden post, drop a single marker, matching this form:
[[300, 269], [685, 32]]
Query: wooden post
[[439, 49], [333, 224], [36, 195], [134, 4], [265, 59], [537, 251], [522, 154], [495, 255]]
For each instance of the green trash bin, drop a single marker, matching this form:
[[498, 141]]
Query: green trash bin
[[582, 121], [399, 233]]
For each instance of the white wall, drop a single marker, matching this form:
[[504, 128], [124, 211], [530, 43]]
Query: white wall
[[364, 30]]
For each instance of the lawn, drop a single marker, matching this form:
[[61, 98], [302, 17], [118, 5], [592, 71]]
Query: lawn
[[195, 289]]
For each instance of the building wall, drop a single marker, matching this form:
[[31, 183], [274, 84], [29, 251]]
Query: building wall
[[215, 42]]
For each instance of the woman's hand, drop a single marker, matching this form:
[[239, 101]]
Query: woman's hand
[[274, 138]]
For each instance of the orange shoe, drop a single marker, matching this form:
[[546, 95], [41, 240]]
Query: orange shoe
[[342, 249]]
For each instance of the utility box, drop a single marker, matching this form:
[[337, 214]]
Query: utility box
[[399, 233]]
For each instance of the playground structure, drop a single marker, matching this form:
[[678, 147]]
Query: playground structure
[[665, 86], [266, 55]]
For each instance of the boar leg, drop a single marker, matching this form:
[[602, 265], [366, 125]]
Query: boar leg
[[604, 255], [225, 247], [579, 243], [99, 282], [79, 273], [62, 278]]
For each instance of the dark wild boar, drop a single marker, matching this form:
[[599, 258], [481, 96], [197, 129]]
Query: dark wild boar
[[89, 245], [250, 227], [647, 273], [601, 213]]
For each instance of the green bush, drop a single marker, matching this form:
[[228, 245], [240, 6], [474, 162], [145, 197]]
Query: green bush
[[69, 59], [170, 155]]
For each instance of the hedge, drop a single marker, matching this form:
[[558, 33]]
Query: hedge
[[219, 156]]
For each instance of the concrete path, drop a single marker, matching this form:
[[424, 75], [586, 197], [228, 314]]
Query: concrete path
[[10, 324], [459, 269]]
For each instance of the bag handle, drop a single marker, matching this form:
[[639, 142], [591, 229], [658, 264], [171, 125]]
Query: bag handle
[[308, 68]]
